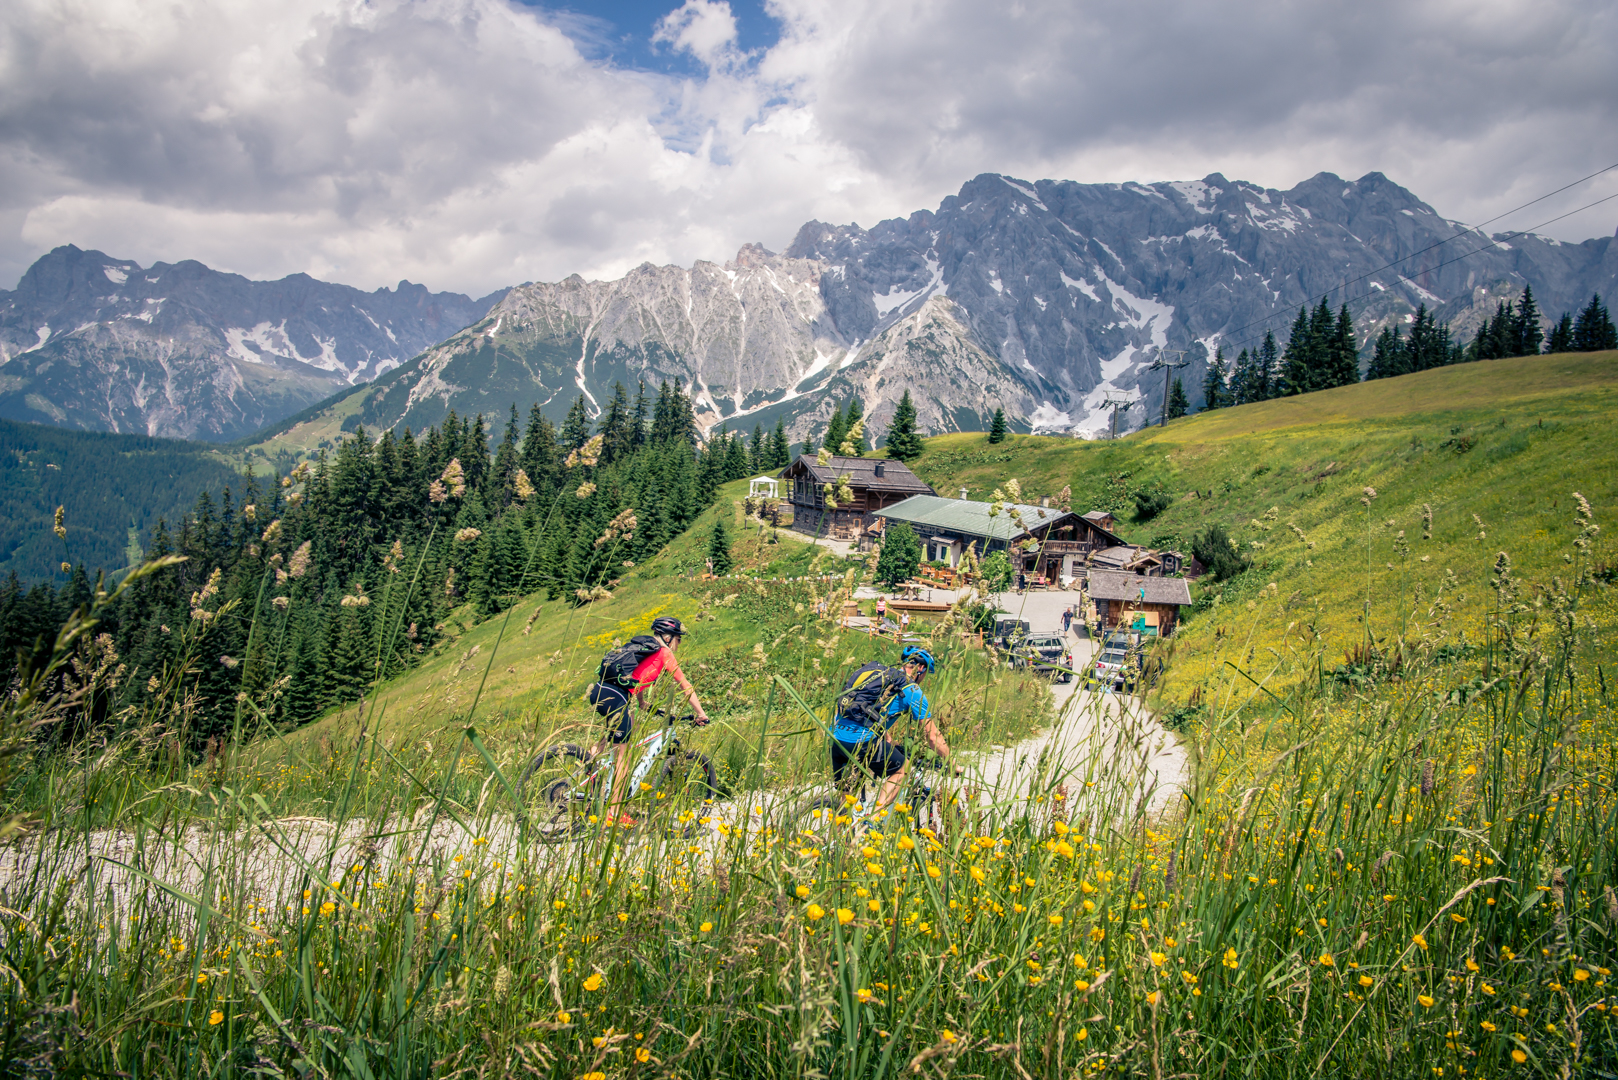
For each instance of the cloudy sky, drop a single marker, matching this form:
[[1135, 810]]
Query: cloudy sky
[[470, 144]]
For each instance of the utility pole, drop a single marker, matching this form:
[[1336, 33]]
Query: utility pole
[[1116, 402], [1167, 367]]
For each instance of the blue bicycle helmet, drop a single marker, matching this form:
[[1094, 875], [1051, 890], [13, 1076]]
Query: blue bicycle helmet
[[916, 654]]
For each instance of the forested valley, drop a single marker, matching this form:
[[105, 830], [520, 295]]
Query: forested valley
[[292, 593]]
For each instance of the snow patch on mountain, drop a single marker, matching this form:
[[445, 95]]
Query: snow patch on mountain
[[897, 299], [1197, 193]]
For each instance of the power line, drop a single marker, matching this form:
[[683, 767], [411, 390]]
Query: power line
[[1447, 262]]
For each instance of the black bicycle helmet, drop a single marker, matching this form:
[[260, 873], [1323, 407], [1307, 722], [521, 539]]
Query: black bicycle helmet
[[668, 624]]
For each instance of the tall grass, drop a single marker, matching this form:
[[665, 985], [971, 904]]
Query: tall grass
[[1410, 877]]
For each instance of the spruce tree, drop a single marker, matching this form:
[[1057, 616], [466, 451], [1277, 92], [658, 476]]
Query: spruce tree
[[1267, 369], [904, 444], [997, 429], [719, 548], [758, 454], [1214, 392], [855, 413], [637, 419], [1178, 405], [1387, 357], [1593, 330], [1297, 362], [1240, 388], [1561, 339], [780, 449], [836, 428], [507, 460], [576, 427], [1344, 367], [900, 557], [617, 434], [734, 464], [1527, 333]]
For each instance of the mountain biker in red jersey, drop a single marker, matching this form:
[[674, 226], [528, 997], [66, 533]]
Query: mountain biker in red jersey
[[614, 703]]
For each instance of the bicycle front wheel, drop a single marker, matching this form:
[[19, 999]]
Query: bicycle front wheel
[[820, 817], [687, 776], [557, 794]]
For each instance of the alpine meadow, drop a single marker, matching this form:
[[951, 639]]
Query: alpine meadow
[[269, 810]]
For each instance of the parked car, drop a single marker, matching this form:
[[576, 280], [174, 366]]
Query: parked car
[[1009, 632], [1118, 663], [1045, 652]]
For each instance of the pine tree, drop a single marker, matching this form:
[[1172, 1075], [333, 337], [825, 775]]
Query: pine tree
[[1214, 391], [1593, 330], [997, 429], [719, 548], [1343, 365], [904, 444], [1178, 405]]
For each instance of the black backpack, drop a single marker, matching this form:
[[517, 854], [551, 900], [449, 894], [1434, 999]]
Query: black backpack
[[868, 691], [618, 666]]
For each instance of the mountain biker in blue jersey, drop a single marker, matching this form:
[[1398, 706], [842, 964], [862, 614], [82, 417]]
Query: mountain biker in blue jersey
[[872, 701]]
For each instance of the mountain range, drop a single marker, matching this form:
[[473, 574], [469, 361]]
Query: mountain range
[[103, 344], [1047, 299]]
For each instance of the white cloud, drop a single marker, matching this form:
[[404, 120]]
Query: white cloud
[[470, 144], [704, 28]]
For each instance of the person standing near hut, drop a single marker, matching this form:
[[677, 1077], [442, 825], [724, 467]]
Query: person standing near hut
[[1067, 619], [881, 608]]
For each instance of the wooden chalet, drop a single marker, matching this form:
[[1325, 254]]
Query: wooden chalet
[[1062, 541], [1135, 602], [876, 483]]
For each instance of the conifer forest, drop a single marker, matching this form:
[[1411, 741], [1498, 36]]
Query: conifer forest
[[305, 580]]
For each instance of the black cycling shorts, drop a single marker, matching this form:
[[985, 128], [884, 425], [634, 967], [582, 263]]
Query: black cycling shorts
[[878, 755], [613, 703]]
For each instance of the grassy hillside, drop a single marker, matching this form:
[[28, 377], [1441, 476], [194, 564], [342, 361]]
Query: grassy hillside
[[746, 629], [1494, 451]]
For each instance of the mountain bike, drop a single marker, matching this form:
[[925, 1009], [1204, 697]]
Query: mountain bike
[[835, 813], [566, 789]]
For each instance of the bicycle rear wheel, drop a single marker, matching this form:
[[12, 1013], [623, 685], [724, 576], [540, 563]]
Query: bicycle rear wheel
[[557, 793]]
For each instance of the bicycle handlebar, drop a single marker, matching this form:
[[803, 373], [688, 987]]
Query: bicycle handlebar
[[690, 718]]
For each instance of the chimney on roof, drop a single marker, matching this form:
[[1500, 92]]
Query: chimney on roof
[[963, 494], [881, 469]]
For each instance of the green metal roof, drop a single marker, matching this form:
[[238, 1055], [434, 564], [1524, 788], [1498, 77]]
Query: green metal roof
[[971, 518]]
